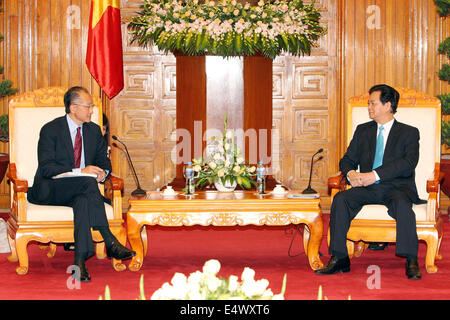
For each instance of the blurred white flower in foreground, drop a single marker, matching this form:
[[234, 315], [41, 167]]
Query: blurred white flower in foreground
[[207, 286]]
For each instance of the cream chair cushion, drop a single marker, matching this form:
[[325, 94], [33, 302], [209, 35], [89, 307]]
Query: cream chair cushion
[[57, 213], [423, 119], [26, 137]]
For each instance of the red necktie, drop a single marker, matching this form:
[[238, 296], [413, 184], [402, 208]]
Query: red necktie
[[77, 148]]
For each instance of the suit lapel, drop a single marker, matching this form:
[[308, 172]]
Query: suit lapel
[[67, 140], [372, 140], [87, 144], [393, 136]]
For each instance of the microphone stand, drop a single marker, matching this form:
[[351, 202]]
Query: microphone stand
[[310, 190], [139, 191]]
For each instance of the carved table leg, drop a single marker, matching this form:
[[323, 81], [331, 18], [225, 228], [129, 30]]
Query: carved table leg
[[51, 250], [134, 237], [316, 230]]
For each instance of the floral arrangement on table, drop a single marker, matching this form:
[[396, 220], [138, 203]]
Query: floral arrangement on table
[[224, 165], [228, 27], [207, 286]]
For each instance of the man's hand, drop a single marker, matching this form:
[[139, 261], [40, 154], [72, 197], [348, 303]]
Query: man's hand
[[367, 178], [358, 179], [354, 179], [101, 175]]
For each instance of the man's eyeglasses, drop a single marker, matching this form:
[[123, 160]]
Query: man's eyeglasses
[[89, 106]]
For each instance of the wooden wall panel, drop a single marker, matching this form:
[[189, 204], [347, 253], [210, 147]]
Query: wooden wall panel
[[400, 51]]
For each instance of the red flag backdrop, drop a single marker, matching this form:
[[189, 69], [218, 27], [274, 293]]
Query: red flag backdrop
[[104, 50]]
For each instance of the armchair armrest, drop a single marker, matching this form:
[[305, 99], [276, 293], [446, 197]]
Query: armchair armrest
[[434, 183], [113, 187], [337, 181], [18, 184], [115, 182]]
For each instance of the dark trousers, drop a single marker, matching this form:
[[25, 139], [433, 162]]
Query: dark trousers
[[83, 195], [346, 205]]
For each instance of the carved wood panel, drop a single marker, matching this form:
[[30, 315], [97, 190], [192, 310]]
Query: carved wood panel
[[303, 107]]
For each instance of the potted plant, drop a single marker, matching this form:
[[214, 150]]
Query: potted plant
[[225, 165]]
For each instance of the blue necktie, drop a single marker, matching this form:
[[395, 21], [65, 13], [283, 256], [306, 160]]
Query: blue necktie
[[379, 150]]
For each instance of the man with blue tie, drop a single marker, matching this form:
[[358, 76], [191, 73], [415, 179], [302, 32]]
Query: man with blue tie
[[386, 152]]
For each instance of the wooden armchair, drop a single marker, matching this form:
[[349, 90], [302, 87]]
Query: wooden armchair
[[373, 224], [47, 224]]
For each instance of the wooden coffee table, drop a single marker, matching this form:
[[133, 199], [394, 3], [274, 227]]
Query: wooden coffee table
[[239, 208]]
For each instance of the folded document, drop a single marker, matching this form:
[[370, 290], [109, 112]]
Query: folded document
[[71, 174]]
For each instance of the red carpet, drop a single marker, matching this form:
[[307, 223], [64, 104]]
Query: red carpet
[[264, 249]]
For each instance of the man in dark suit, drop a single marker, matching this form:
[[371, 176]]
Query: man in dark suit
[[387, 153], [74, 143]]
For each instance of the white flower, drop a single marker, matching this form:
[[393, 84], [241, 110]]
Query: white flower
[[227, 163], [212, 165], [237, 169], [195, 294], [261, 3], [248, 274], [217, 156], [178, 279], [240, 160], [220, 173], [197, 168], [233, 283], [211, 267], [260, 286], [179, 287], [278, 297], [252, 169], [268, 294], [200, 286], [227, 146], [157, 295], [195, 277], [248, 288], [213, 283]]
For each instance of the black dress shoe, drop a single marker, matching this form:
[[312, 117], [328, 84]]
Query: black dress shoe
[[119, 252], [84, 275], [412, 270], [336, 265], [377, 245]]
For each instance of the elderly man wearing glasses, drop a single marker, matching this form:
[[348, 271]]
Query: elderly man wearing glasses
[[74, 143]]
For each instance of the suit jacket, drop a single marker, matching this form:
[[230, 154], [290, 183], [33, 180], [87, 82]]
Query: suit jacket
[[55, 153], [400, 158]]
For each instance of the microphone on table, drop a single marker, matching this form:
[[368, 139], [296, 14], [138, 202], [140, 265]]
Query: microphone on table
[[139, 191], [310, 190]]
